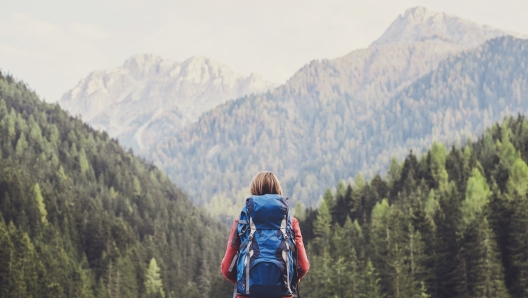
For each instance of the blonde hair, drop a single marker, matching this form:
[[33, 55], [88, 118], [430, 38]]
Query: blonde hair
[[265, 183]]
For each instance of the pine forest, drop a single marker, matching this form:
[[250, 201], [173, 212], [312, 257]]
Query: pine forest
[[80, 217], [443, 121], [451, 223]]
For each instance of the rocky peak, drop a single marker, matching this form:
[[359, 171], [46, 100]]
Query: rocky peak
[[146, 65], [420, 24]]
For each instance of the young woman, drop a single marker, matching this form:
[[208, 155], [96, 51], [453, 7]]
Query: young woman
[[264, 186]]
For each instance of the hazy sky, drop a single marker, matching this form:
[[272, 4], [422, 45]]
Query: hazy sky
[[52, 44]]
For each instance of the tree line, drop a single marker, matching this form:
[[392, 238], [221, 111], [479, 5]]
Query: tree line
[[82, 217], [451, 223]]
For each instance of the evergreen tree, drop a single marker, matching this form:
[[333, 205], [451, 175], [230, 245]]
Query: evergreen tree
[[40, 204], [518, 232], [370, 283], [153, 282], [480, 266], [322, 227]]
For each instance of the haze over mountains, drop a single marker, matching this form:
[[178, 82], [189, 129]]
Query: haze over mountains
[[148, 96], [332, 119], [317, 128]]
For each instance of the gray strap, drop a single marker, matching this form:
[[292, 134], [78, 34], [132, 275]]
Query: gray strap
[[233, 263], [242, 221], [243, 245], [249, 251], [283, 228], [235, 291], [285, 252]]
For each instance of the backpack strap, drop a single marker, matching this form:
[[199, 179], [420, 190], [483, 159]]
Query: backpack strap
[[234, 262], [249, 251], [285, 251]]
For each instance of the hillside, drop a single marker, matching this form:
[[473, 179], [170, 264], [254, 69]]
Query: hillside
[[147, 96], [81, 217], [324, 123], [452, 223]]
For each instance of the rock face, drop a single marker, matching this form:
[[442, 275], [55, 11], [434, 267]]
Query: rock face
[[419, 24], [321, 126], [148, 96]]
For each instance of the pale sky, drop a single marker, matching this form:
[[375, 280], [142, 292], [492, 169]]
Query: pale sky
[[52, 44]]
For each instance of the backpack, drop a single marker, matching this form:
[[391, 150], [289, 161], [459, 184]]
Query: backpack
[[265, 262]]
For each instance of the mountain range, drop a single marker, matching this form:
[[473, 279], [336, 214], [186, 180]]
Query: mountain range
[[416, 83], [148, 96], [334, 118]]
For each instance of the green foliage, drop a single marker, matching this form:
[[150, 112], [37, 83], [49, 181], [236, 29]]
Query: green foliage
[[40, 204], [81, 217], [477, 196], [518, 181], [299, 211], [438, 161], [153, 282], [451, 224]]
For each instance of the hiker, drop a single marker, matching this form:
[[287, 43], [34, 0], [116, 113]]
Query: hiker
[[265, 256]]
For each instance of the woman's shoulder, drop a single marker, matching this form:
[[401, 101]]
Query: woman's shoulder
[[294, 221]]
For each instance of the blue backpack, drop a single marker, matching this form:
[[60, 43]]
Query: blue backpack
[[265, 262]]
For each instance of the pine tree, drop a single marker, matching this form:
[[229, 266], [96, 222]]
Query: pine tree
[[479, 258], [329, 199], [153, 282], [21, 145], [518, 229], [322, 227], [83, 161], [370, 283], [394, 172], [438, 161], [299, 211], [40, 204], [6, 255]]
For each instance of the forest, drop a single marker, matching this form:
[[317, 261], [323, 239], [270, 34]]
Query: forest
[[323, 125], [450, 223], [82, 217]]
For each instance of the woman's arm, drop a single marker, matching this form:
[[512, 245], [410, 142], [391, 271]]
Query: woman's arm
[[232, 249], [304, 265]]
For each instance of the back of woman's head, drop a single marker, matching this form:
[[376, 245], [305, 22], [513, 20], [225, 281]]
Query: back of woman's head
[[265, 183]]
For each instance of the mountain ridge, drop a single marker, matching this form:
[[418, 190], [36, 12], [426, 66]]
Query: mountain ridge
[[419, 24], [124, 100], [312, 125]]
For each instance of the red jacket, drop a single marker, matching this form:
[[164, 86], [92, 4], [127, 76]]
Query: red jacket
[[232, 249]]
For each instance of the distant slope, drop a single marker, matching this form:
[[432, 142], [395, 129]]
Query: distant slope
[[313, 130], [466, 94], [148, 96], [80, 217]]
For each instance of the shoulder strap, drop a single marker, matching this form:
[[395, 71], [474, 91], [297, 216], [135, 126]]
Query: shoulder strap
[[286, 250], [249, 251]]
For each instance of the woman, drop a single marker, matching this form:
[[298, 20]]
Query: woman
[[264, 188]]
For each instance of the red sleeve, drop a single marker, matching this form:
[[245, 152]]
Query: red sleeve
[[232, 249], [304, 265]]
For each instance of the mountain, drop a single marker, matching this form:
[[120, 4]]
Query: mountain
[[147, 96], [451, 223], [314, 130], [420, 24], [81, 217]]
